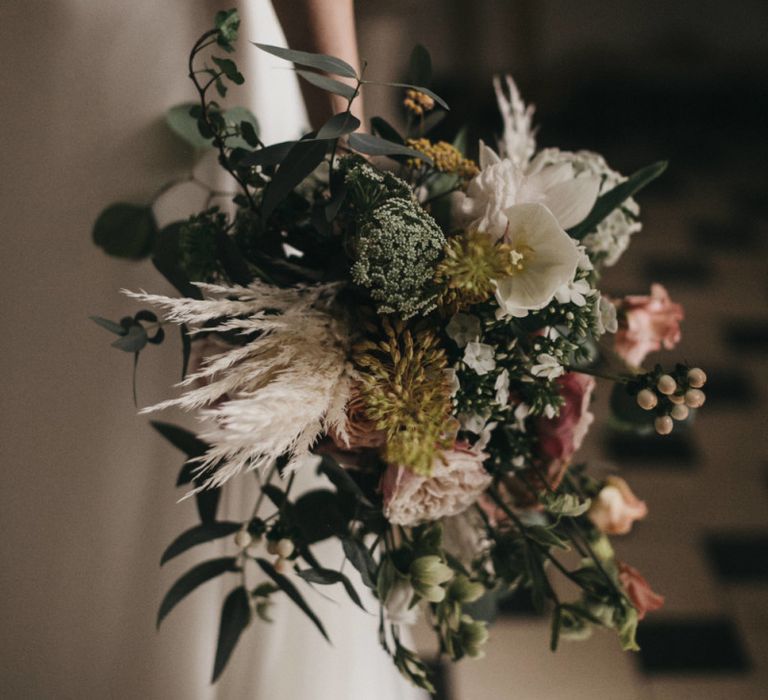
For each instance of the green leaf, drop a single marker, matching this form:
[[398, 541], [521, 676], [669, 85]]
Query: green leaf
[[227, 22], [615, 197], [240, 117], [327, 577], [194, 578], [269, 155], [546, 537], [181, 439], [206, 532], [232, 260], [111, 326], [376, 146], [361, 559], [229, 68], [557, 618], [338, 125], [431, 121], [460, 141], [318, 516], [384, 129], [323, 82], [292, 592], [126, 231], [420, 66], [235, 617], [419, 88], [300, 161], [184, 125], [385, 579], [342, 480], [166, 260], [319, 61], [133, 341]]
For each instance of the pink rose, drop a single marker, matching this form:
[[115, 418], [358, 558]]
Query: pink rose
[[560, 437], [457, 481], [647, 324], [639, 591], [616, 508]]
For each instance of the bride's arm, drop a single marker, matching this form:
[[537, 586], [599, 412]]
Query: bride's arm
[[322, 26]]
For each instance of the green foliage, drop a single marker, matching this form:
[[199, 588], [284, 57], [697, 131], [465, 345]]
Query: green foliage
[[321, 62], [377, 146], [125, 231], [327, 577]]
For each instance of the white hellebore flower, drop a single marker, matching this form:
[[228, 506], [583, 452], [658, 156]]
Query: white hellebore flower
[[545, 257], [479, 357], [548, 367], [462, 328], [501, 184], [502, 388]]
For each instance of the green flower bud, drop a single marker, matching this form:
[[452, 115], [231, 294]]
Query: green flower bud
[[434, 594], [473, 636], [465, 591], [602, 548], [430, 571]]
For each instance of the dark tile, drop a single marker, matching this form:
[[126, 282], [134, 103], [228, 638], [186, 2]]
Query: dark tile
[[739, 557], [674, 451], [683, 646], [726, 236], [689, 271], [440, 678], [730, 386], [747, 335]]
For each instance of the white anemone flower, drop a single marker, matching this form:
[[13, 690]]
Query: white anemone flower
[[480, 357], [545, 257], [501, 184]]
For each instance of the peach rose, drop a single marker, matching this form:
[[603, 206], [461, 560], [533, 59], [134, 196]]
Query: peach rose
[[639, 591], [456, 482], [361, 431], [647, 324], [616, 507]]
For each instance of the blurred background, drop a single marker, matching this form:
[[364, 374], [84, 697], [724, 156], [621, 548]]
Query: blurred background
[[87, 491]]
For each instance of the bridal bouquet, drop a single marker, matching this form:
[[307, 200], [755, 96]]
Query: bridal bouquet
[[422, 329]]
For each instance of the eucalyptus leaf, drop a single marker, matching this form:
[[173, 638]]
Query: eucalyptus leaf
[[269, 155], [377, 146], [384, 129], [194, 578], [361, 559], [557, 618], [133, 341], [319, 61], [323, 82], [235, 617], [326, 577], [292, 592], [615, 197], [205, 532], [126, 231], [300, 162], [111, 326], [185, 126], [338, 125]]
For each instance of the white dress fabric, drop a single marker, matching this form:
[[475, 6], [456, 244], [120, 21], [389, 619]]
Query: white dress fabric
[[88, 502]]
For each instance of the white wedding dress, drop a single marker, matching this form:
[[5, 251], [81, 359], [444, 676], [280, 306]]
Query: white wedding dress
[[89, 502]]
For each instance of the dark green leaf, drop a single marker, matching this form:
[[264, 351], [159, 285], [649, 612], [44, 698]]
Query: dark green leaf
[[328, 84], [420, 66], [227, 22], [384, 129], [614, 198], [195, 577], [319, 61], [337, 199], [341, 479], [181, 439], [269, 155], [545, 537], [221, 88], [237, 117], [125, 231], [229, 68], [111, 326], [232, 260], [555, 633], [318, 516], [249, 134], [460, 141], [338, 125], [361, 559], [419, 88], [431, 121], [292, 592], [376, 146], [184, 125], [207, 532], [133, 341], [300, 161], [166, 260], [235, 617], [326, 577]]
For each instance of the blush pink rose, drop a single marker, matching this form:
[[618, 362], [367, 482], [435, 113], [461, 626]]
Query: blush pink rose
[[456, 482], [639, 591], [616, 508], [647, 324], [560, 437]]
